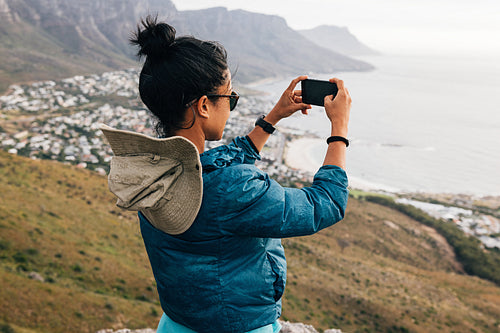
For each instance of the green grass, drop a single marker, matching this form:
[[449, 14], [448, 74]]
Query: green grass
[[84, 252], [394, 274], [386, 279]]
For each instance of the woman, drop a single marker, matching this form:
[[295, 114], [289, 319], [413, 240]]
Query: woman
[[217, 260]]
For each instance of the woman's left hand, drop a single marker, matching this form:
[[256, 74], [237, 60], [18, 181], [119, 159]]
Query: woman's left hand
[[289, 103]]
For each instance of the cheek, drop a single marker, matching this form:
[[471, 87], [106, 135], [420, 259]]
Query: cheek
[[223, 122], [226, 119]]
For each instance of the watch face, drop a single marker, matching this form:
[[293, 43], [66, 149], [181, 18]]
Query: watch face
[[267, 127]]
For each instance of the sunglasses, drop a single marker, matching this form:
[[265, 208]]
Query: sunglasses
[[233, 99]]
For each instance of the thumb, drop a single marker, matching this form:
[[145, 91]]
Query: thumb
[[328, 99], [304, 107]]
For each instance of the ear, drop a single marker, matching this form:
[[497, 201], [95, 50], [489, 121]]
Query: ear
[[202, 107]]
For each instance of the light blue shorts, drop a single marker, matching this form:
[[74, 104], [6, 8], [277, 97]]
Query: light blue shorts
[[167, 325]]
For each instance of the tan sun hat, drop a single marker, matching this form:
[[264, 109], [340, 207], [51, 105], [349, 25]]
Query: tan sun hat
[[159, 177]]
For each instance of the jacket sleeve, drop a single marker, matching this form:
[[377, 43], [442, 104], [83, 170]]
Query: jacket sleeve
[[251, 153], [254, 205]]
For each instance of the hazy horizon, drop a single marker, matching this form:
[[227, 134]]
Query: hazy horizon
[[458, 28]]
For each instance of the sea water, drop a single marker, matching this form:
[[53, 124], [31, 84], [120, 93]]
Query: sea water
[[418, 123]]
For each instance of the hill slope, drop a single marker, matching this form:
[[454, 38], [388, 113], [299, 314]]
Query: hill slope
[[377, 270], [42, 40], [61, 223]]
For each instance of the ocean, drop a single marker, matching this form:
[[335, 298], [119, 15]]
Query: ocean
[[418, 124]]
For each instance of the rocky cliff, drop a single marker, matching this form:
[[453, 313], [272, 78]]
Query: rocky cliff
[[263, 45], [47, 39]]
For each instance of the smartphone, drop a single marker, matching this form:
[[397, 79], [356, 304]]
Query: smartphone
[[314, 91]]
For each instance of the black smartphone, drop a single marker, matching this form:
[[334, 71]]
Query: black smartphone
[[314, 91]]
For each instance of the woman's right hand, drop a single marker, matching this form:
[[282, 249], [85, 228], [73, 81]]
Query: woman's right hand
[[289, 103], [338, 109]]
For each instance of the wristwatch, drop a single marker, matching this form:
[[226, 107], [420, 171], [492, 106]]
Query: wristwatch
[[267, 127]]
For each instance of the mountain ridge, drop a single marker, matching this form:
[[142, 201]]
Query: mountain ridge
[[264, 40], [338, 39], [48, 39]]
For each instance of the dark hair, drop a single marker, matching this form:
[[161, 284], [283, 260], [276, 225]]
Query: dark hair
[[176, 71]]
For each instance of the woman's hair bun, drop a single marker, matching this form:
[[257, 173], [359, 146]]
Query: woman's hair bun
[[154, 39]]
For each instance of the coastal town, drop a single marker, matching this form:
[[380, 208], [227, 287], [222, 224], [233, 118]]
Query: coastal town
[[59, 120], [484, 227]]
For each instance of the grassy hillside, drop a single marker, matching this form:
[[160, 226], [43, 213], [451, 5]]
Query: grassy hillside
[[378, 270], [62, 223]]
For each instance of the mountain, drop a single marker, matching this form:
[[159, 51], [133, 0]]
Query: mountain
[[338, 39], [50, 39], [71, 261], [262, 46]]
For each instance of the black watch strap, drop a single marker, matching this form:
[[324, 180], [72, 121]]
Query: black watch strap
[[267, 127]]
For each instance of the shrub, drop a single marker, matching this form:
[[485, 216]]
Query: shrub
[[4, 245], [22, 268], [32, 252], [6, 328], [20, 258], [77, 268]]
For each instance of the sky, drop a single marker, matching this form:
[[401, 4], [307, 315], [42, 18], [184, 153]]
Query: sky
[[432, 27]]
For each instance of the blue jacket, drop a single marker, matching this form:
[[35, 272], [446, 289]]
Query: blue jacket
[[227, 272]]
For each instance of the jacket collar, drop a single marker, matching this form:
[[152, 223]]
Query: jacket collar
[[221, 157]]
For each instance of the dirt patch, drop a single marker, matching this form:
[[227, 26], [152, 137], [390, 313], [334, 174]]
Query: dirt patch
[[444, 248]]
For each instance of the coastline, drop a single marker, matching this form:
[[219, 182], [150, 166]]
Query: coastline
[[299, 155], [303, 153]]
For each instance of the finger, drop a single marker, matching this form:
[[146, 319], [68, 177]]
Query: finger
[[297, 92], [338, 82], [297, 99], [328, 98], [303, 107], [348, 95], [346, 91], [305, 112], [294, 82]]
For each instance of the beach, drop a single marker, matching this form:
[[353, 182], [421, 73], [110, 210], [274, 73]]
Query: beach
[[298, 154], [306, 153]]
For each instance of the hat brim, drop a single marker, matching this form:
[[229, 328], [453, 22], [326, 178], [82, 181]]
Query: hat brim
[[176, 211]]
